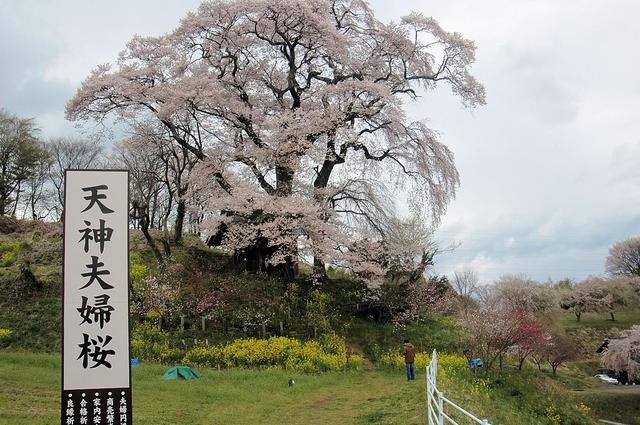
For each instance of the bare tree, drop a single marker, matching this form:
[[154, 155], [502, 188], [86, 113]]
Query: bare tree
[[145, 171], [624, 258], [69, 153], [465, 281], [559, 350], [178, 163], [521, 292]]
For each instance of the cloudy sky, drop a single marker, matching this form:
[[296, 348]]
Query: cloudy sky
[[550, 167]]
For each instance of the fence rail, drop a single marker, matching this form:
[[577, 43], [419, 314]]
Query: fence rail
[[436, 401]]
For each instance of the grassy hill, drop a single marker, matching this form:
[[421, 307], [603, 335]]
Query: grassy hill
[[614, 403], [30, 275]]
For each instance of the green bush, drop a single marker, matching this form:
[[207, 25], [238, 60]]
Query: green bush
[[138, 270], [9, 252], [171, 355]]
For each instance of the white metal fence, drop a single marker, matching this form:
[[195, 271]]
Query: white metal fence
[[437, 403]]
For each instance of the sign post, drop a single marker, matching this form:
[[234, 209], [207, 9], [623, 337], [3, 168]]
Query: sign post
[[96, 372]]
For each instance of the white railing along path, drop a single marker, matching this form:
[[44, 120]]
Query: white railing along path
[[437, 403]]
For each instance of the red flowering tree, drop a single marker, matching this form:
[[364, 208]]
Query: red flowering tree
[[531, 335]]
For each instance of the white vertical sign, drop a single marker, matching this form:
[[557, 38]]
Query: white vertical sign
[[96, 384]]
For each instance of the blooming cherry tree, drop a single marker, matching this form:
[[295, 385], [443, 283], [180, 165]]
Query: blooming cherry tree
[[296, 111], [623, 354], [624, 257]]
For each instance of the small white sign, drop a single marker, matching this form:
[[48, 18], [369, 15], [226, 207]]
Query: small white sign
[[96, 384]]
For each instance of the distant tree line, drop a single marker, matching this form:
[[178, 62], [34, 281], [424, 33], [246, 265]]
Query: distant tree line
[[32, 174]]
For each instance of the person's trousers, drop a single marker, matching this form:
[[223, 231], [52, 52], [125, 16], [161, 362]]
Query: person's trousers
[[411, 373]]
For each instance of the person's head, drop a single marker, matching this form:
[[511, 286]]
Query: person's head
[[406, 341]]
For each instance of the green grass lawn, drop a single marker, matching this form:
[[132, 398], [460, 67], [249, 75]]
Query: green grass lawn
[[30, 391], [624, 320]]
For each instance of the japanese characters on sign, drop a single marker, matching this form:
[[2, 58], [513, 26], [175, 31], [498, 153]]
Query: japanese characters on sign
[[96, 385]]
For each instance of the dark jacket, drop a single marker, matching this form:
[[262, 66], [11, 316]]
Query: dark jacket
[[409, 352]]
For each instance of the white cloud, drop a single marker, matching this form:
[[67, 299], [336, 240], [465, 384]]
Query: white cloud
[[549, 167]]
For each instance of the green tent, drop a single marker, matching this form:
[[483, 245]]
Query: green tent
[[181, 372]]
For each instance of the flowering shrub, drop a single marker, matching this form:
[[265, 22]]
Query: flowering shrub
[[332, 344], [148, 342], [326, 354], [396, 360], [5, 336], [448, 364], [247, 352], [171, 355], [204, 356], [480, 385], [9, 252], [584, 408], [552, 414], [312, 356], [356, 362]]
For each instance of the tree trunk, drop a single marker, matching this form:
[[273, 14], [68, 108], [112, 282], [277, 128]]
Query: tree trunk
[[152, 243], [578, 316], [17, 200], [203, 323], [166, 246], [521, 363], [143, 218], [180, 214], [154, 207], [286, 271], [613, 319], [319, 270]]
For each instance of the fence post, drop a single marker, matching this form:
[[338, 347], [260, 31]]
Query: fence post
[[429, 396], [434, 360], [440, 409]]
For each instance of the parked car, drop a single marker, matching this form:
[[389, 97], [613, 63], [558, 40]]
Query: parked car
[[607, 379]]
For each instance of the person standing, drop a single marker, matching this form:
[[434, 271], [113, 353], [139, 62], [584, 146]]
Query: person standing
[[409, 353]]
